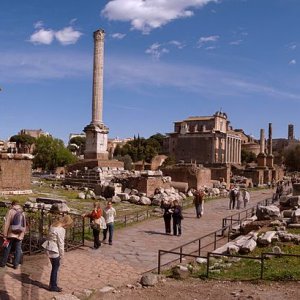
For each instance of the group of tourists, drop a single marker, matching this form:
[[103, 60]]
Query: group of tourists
[[238, 197], [15, 227], [172, 210]]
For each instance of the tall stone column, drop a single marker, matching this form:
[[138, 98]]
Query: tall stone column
[[96, 131], [97, 107], [261, 158], [270, 157]]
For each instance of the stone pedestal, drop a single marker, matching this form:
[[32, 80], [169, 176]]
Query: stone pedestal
[[270, 161], [96, 142], [261, 161]]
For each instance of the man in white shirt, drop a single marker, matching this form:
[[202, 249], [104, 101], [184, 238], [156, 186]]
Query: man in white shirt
[[109, 214]]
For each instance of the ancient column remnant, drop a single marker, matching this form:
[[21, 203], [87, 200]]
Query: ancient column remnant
[[270, 158], [96, 131], [262, 141], [270, 142], [291, 132], [97, 107]]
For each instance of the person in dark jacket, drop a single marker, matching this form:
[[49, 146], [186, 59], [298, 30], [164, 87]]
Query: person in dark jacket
[[177, 217], [166, 206]]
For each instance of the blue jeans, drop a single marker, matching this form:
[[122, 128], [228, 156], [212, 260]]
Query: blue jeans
[[110, 229], [16, 244], [55, 262]]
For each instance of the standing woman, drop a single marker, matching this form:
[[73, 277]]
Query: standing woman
[[55, 245], [177, 217], [95, 216], [166, 206]]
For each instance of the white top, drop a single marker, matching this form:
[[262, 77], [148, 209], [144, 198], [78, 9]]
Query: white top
[[55, 244], [109, 214]]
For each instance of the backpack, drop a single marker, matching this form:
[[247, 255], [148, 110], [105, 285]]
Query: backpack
[[17, 224]]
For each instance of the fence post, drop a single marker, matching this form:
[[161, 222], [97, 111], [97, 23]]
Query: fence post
[[207, 265], [262, 266], [158, 267], [199, 249], [180, 255], [215, 241], [83, 231]]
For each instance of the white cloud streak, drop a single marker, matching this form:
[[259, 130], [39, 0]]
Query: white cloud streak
[[207, 39], [156, 51], [118, 36], [145, 15], [292, 62]]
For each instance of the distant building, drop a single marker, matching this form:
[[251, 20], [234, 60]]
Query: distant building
[[36, 133], [113, 143], [205, 140]]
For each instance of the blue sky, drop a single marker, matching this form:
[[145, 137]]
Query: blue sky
[[164, 61]]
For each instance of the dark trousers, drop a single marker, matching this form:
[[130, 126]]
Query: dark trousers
[[97, 243], [167, 219], [177, 226], [110, 229], [232, 203], [16, 245], [55, 262]]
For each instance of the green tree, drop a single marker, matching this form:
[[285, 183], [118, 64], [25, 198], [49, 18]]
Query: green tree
[[51, 153], [292, 158], [247, 156], [23, 142], [127, 161], [80, 142]]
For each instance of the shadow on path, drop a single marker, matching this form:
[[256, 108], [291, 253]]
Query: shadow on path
[[25, 278], [155, 232]]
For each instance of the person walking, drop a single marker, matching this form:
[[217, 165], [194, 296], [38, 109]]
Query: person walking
[[109, 215], [13, 234], [239, 199], [199, 203], [95, 216], [232, 198], [177, 217], [55, 245], [166, 206], [246, 197]]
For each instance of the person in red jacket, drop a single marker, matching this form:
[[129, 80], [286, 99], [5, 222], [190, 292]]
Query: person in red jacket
[[95, 216]]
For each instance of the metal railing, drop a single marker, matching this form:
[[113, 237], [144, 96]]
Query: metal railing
[[38, 222], [212, 238]]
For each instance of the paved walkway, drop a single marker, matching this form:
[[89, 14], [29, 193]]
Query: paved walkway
[[134, 251]]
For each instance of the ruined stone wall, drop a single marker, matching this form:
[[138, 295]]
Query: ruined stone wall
[[147, 185], [15, 173], [221, 173], [194, 148], [195, 179]]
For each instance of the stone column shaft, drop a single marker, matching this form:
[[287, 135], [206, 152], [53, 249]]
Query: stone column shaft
[[97, 108], [262, 141], [270, 144]]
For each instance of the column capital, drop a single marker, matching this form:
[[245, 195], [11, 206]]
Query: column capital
[[99, 35]]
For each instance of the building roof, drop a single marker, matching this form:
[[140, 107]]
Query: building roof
[[197, 118]]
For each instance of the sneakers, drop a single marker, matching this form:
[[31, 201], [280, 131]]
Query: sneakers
[[55, 289]]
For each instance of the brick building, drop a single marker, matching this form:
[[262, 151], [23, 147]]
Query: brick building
[[205, 140]]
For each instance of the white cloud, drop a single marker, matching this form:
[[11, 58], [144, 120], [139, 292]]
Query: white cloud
[[177, 44], [42, 36], [38, 25], [135, 73], [292, 62], [145, 15], [236, 43], [68, 35], [28, 67], [65, 36], [118, 36], [207, 39], [156, 51], [292, 46]]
